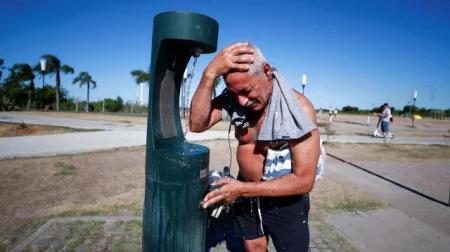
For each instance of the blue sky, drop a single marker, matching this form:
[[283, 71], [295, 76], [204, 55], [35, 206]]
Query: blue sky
[[355, 52]]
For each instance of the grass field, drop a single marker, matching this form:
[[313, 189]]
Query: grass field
[[138, 119], [37, 189], [400, 134], [390, 152], [21, 129]]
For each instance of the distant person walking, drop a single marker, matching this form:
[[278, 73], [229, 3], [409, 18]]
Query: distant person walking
[[330, 114], [385, 119], [335, 112]]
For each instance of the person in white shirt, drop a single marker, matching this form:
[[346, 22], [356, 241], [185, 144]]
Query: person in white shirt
[[385, 118]]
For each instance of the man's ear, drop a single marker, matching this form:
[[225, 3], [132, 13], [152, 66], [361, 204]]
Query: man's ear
[[267, 70]]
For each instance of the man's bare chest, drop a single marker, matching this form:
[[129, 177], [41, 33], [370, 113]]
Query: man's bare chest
[[249, 136]]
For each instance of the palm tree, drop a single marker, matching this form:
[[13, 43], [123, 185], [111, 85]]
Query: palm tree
[[85, 79], [141, 77], [22, 73], [2, 68], [54, 67]]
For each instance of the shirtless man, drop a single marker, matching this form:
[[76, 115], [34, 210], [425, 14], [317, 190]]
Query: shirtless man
[[276, 207]]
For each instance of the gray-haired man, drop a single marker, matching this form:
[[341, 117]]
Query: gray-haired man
[[275, 176]]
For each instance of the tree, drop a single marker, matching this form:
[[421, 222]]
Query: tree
[[140, 76], [22, 73], [3, 68], [350, 109], [85, 79], [54, 67]]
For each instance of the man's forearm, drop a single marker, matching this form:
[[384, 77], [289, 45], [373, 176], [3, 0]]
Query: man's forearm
[[200, 113], [284, 186]]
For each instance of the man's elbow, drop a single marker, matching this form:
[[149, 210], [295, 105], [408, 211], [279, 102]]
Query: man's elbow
[[307, 183], [196, 127], [309, 186]]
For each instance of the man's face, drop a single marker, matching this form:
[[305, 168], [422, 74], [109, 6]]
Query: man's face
[[251, 91]]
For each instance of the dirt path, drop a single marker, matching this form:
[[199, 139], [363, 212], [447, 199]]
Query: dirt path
[[30, 188], [22, 129]]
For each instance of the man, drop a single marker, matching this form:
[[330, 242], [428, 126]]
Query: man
[[385, 119], [264, 206], [330, 114]]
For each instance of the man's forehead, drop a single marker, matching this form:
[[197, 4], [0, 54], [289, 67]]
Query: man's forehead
[[237, 80]]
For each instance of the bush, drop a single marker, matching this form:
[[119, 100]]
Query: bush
[[350, 109], [113, 105]]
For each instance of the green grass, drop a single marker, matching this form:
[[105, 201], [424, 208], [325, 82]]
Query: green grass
[[17, 235], [64, 169], [93, 230], [131, 240], [352, 206], [389, 152], [50, 127], [134, 209], [331, 196], [328, 130]]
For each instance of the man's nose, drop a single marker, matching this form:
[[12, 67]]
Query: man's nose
[[242, 100]]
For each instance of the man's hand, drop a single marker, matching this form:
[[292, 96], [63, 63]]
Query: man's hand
[[229, 191], [229, 59]]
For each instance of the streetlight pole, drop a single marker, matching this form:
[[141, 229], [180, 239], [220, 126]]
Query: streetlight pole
[[303, 83], [414, 106], [183, 93], [99, 97], [43, 80]]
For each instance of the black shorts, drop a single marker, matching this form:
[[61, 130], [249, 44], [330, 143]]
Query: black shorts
[[285, 219]]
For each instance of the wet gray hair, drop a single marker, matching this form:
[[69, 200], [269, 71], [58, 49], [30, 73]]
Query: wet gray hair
[[259, 60]]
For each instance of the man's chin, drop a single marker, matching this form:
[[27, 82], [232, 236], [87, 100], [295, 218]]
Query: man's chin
[[255, 107]]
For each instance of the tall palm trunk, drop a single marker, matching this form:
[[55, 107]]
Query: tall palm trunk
[[88, 87], [30, 94], [58, 84]]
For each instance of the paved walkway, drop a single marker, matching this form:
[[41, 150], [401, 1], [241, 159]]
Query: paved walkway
[[412, 204], [115, 135], [396, 140], [390, 230], [120, 233], [118, 135], [373, 232]]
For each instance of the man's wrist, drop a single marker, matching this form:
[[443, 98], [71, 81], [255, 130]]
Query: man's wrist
[[209, 75], [247, 189]]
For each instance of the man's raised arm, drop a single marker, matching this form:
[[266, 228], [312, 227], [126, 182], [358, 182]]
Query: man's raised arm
[[205, 113]]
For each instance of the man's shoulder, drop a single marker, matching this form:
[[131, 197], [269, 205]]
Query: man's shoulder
[[306, 104]]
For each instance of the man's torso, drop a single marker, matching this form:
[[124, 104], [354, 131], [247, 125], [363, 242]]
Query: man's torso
[[384, 113], [251, 154]]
